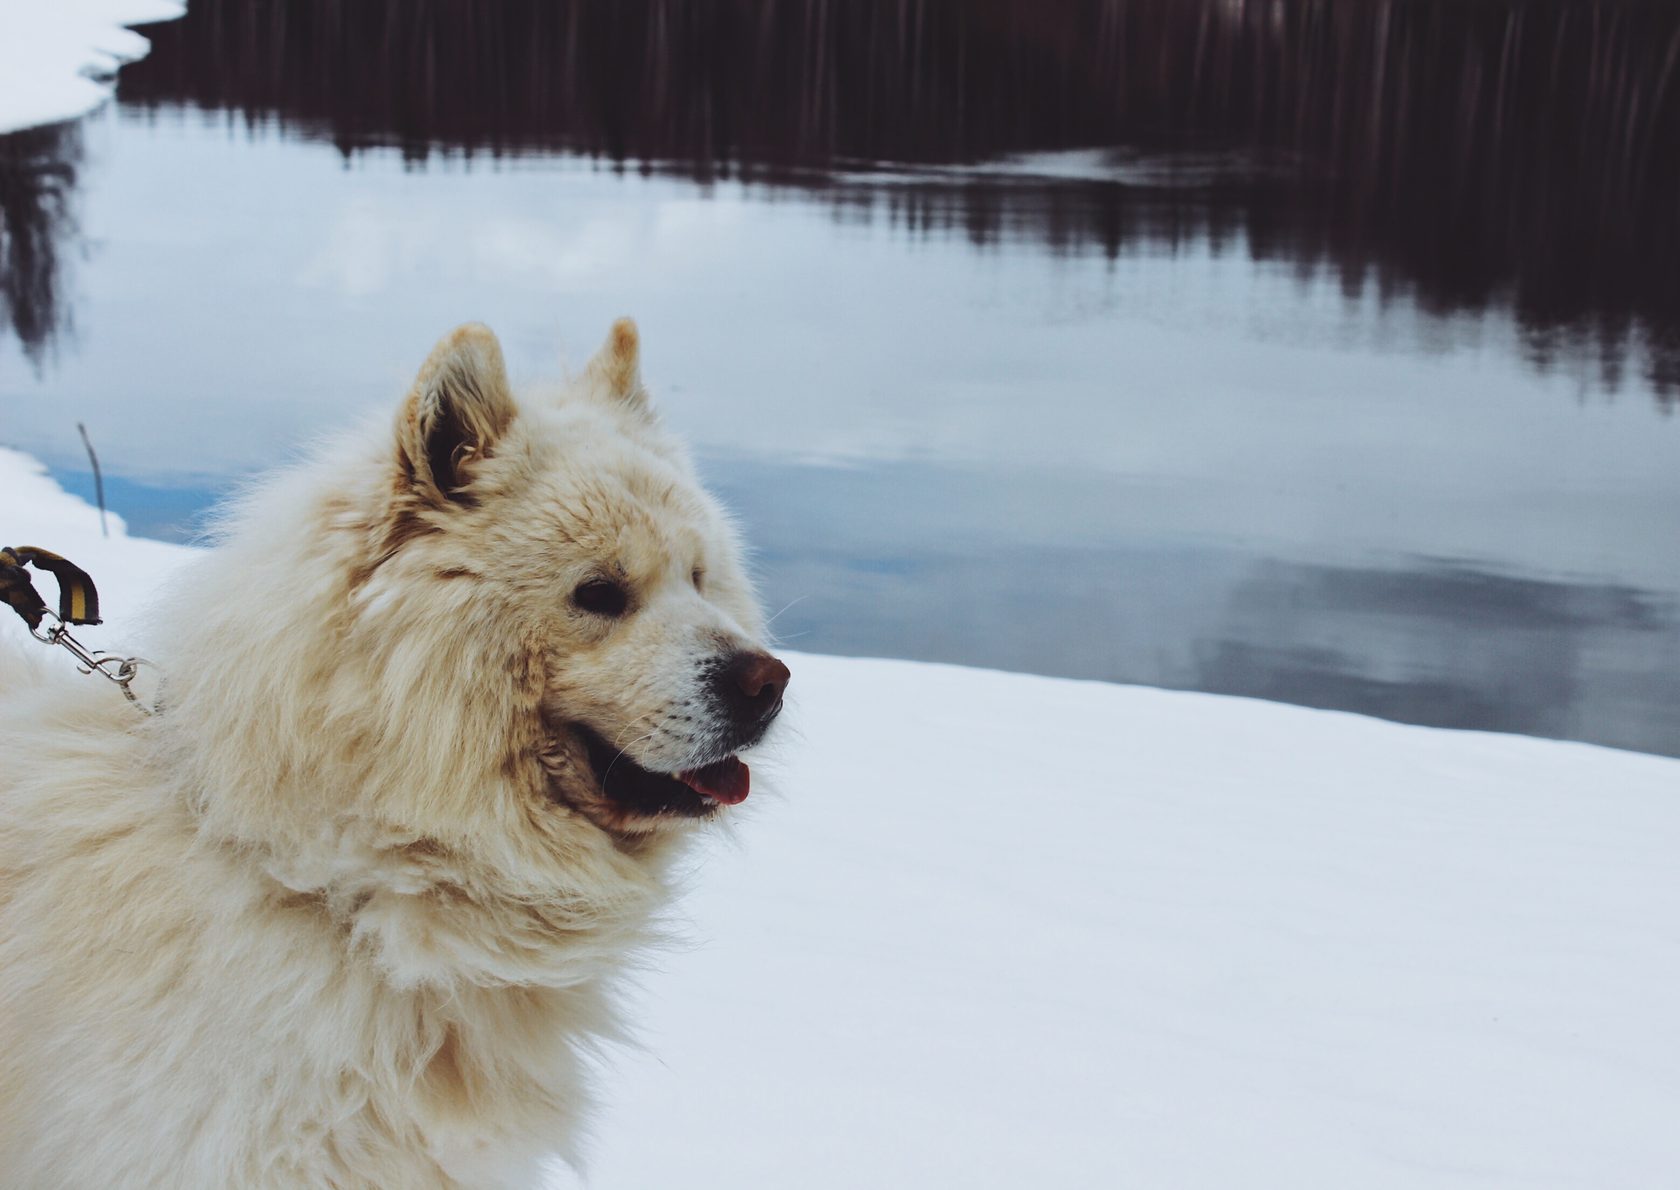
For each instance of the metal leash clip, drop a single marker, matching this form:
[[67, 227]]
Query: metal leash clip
[[78, 603], [121, 670]]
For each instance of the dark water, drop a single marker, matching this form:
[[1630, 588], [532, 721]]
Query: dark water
[[1318, 352]]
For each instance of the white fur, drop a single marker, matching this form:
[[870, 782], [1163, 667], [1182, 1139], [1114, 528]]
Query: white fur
[[349, 911]]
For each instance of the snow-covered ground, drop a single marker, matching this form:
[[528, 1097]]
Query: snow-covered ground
[[1006, 931], [57, 57]]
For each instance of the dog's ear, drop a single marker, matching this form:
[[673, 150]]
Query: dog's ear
[[458, 408], [616, 370]]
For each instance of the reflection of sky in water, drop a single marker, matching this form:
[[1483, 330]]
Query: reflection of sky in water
[[1174, 467]]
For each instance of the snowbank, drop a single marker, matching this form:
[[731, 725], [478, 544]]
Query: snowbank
[[57, 57], [34, 510], [1005, 931]]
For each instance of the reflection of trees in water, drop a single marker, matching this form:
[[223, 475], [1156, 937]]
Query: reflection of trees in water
[[37, 185], [1503, 152], [1609, 300]]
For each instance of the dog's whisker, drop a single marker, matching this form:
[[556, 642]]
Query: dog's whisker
[[614, 761], [784, 607], [631, 726]]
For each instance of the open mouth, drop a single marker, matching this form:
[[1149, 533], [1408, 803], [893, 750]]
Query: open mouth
[[692, 793]]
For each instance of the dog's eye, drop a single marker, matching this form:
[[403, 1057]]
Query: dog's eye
[[602, 597], [699, 576]]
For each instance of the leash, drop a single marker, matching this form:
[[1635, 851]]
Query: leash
[[78, 603]]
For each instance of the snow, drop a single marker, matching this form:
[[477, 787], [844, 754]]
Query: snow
[[57, 57], [125, 569], [992, 930]]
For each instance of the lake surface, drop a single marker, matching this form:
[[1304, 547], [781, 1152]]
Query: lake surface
[[1328, 356]]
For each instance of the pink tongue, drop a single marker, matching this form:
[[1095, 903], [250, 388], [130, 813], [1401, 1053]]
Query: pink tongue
[[726, 781]]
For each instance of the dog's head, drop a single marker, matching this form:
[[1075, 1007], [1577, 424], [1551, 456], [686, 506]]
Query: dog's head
[[571, 530], [464, 679]]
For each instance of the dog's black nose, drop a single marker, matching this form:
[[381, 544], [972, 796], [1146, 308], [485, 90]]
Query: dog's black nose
[[750, 686]]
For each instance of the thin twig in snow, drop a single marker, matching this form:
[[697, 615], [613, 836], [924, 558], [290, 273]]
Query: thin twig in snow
[[98, 479]]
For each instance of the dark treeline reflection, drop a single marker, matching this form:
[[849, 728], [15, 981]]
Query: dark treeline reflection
[[1467, 154], [37, 186]]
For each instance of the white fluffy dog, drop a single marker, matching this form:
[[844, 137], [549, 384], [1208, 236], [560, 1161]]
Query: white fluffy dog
[[436, 714]]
